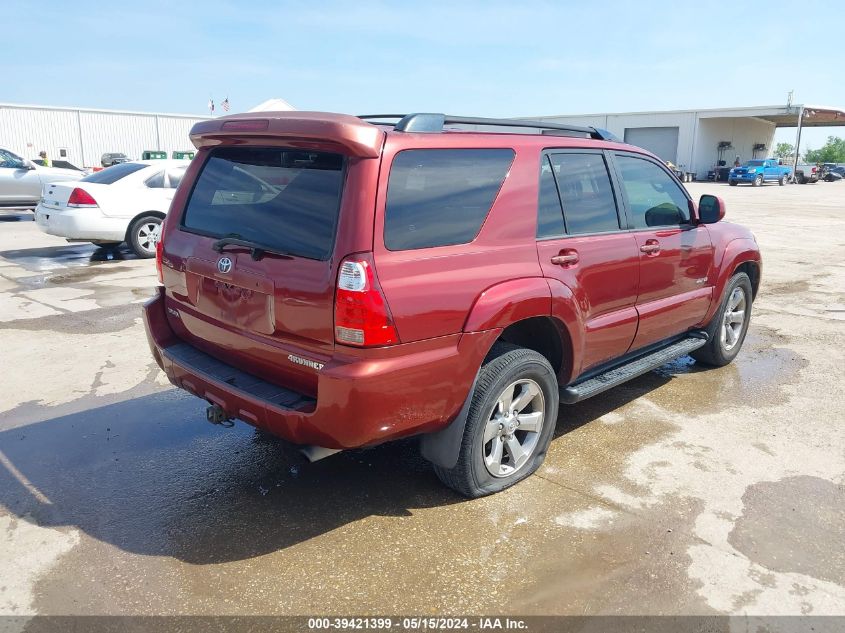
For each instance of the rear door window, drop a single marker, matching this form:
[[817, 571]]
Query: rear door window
[[285, 200], [654, 198], [174, 176], [440, 197], [586, 193], [549, 215], [156, 181]]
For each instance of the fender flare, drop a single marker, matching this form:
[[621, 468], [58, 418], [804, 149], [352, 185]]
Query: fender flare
[[737, 252], [509, 302], [496, 308]]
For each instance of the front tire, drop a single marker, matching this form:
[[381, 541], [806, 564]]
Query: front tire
[[758, 181], [510, 424], [732, 183], [729, 326], [142, 235]]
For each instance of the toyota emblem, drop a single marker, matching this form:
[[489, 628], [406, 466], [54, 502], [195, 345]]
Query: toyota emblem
[[224, 265]]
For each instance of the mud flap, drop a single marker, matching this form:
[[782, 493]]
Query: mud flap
[[442, 447]]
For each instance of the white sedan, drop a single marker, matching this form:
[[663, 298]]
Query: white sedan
[[122, 203]]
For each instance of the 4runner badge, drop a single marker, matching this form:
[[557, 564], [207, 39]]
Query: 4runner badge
[[304, 361], [224, 265]]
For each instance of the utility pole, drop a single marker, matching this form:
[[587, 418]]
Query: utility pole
[[798, 140]]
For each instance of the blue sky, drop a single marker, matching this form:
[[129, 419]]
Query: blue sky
[[482, 58]]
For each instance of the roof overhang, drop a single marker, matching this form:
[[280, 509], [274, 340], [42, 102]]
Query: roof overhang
[[783, 116], [814, 116]]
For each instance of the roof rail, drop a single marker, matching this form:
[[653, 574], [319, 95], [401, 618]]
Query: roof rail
[[434, 122]]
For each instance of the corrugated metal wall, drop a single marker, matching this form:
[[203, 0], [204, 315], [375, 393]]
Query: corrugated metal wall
[[87, 134]]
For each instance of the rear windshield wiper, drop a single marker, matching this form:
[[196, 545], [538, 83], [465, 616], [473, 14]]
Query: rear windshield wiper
[[256, 250]]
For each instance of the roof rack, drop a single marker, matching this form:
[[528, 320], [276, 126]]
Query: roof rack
[[434, 122]]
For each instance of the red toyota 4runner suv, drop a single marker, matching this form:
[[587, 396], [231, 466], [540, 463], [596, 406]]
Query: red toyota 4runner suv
[[343, 281]]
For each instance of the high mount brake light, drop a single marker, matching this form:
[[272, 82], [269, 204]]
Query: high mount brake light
[[361, 315], [252, 125]]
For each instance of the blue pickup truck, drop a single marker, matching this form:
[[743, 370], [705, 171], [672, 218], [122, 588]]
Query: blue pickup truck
[[759, 171]]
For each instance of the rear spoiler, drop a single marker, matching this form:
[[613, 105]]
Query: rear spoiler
[[355, 136]]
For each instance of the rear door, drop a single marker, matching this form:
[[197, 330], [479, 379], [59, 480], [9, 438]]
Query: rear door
[[253, 307], [585, 248], [676, 256]]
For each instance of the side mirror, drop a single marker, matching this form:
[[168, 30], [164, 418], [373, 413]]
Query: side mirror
[[711, 209]]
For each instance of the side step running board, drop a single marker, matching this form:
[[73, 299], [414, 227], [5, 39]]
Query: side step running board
[[637, 367]]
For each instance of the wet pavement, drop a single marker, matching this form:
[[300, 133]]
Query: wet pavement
[[688, 490]]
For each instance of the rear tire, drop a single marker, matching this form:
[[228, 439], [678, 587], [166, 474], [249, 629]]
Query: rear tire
[[510, 424], [730, 324], [142, 235], [782, 180]]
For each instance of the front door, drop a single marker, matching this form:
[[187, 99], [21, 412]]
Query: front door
[[581, 244], [676, 256]]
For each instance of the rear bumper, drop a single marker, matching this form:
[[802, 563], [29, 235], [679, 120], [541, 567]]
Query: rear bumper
[[80, 224], [361, 400]]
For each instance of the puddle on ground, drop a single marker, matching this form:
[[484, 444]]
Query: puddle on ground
[[592, 571], [795, 525], [755, 378]]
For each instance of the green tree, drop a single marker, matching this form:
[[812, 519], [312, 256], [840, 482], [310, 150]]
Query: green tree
[[831, 152], [784, 150]]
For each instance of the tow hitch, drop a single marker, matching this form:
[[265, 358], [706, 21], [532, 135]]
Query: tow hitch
[[216, 415]]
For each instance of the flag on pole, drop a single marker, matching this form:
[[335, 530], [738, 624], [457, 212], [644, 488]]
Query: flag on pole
[[225, 104], [211, 106]]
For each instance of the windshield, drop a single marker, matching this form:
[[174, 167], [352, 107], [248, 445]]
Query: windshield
[[114, 173], [755, 163], [286, 200]]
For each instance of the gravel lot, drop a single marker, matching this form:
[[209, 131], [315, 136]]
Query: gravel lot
[[685, 491]]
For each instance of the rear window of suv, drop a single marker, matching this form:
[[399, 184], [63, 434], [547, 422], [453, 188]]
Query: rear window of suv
[[285, 200], [440, 197]]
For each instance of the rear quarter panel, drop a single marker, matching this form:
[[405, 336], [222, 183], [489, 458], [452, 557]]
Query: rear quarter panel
[[431, 291]]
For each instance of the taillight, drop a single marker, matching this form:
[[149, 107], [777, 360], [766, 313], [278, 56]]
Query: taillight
[[81, 198], [361, 315], [159, 253], [814, 170]]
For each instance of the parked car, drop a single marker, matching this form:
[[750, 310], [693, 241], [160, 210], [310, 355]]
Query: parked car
[[341, 283], [805, 173], [832, 175], [124, 203], [113, 158], [756, 172], [21, 180]]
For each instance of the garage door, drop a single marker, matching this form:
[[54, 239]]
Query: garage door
[[662, 141]]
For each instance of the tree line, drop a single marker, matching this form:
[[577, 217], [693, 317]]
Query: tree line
[[831, 152]]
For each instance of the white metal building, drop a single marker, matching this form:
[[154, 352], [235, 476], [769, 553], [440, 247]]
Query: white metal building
[[695, 140], [81, 135]]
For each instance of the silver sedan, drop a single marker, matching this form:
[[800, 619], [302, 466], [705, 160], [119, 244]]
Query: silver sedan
[[21, 180]]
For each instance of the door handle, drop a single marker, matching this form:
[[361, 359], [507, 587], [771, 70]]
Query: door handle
[[650, 247], [565, 258]]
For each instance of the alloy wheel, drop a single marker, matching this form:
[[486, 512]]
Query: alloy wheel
[[147, 235], [733, 320], [513, 428]]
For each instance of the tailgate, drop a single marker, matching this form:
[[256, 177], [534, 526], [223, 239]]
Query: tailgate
[[265, 303]]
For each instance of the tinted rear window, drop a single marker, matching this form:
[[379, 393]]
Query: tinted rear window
[[438, 197], [283, 199], [114, 173], [586, 194]]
